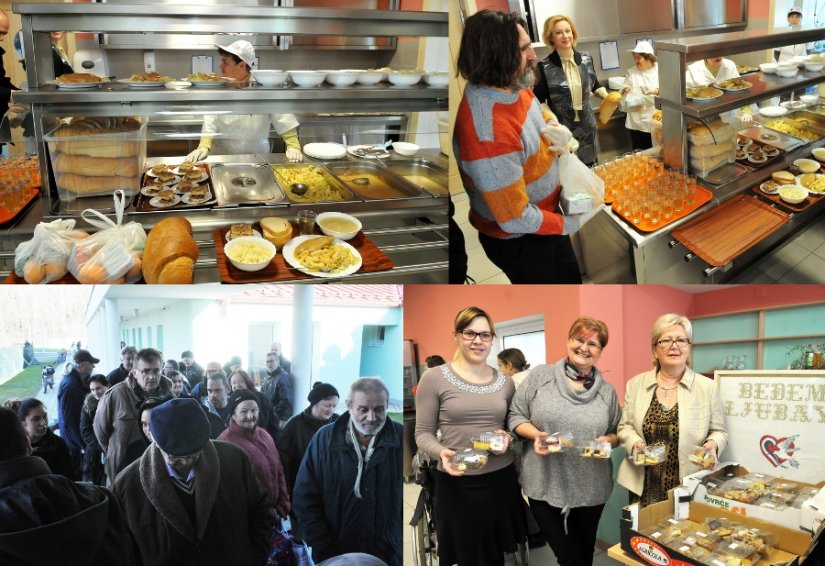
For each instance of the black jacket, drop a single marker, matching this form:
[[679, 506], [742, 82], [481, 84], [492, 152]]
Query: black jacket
[[53, 450], [49, 520], [117, 375], [554, 89], [92, 468], [293, 442]]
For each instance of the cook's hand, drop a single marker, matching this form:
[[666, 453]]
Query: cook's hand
[[624, 90], [294, 154], [557, 136], [745, 117], [539, 446], [571, 224], [446, 455], [197, 155]]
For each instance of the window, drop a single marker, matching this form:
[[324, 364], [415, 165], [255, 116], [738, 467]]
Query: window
[[159, 335], [375, 335], [526, 334]]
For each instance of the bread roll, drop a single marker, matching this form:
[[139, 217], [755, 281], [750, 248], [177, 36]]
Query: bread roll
[[170, 253], [85, 184], [96, 166], [608, 106], [98, 146]]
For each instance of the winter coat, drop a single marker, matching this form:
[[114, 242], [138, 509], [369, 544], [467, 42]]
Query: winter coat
[[53, 450], [71, 393], [92, 456], [334, 519], [260, 448], [232, 523], [117, 375], [293, 442], [277, 387], [49, 520], [117, 422]]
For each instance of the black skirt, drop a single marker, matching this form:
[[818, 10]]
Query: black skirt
[[478, 518]]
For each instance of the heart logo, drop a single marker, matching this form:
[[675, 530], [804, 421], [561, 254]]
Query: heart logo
[[774, 451]]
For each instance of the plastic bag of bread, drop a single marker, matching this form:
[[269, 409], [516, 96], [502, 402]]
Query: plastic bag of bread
[[111, 255], [44, 258], [171, 252], [582, 191]]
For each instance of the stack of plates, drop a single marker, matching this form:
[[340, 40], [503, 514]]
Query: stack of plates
[[325, 150]]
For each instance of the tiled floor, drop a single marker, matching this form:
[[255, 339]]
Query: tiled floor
[[801, 260], [537, 557]]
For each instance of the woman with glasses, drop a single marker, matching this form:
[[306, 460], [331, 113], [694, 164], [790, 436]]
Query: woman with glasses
[[478, 513], [567, 492], [673, 405]]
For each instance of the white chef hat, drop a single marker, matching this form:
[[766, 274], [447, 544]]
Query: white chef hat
[[795, 10], [242, 49], [643, 47]]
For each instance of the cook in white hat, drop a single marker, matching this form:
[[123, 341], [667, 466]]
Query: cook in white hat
[[785, 53], [643, 80], [220, 134]]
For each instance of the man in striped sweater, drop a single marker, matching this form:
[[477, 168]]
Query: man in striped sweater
[[506, 148]]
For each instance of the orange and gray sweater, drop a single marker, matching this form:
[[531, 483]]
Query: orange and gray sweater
[[510, 175]]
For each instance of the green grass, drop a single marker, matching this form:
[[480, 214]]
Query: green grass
[[25, 384], [397, 417]]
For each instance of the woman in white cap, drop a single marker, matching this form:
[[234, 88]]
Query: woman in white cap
[[643, 81], [784, 54], [218, 134]]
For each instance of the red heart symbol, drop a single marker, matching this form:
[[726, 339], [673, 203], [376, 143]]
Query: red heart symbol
[[772, 452]]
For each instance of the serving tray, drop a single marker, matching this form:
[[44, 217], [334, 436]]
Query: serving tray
[[702, 196], [730, 229], [278, 270], [142, 204], [810, 200]]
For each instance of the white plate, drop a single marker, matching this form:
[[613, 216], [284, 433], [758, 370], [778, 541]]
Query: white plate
[[157, 204], [792, 104], [361, 151], [773, 111], [187, 198], [141, 84], [199, 84], [177, 171], [768, 192], [169, 182], [200, 179], [147, 191], [289, 255], [325, 150], [810, 191], [254, 233], [75, 86]]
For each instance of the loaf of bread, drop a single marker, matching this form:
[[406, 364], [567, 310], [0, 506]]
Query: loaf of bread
[[96, 166], [98, 145], [170, 253], [608, 106], [87, 185]]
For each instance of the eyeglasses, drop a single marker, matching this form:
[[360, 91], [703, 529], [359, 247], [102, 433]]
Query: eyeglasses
[[469, 335], [667, 343], [591, 345]]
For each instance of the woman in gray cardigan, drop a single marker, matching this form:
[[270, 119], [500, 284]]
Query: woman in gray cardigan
[[673, 405], [566, 491]]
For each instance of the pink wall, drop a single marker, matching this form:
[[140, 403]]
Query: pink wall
[[759, 9], [500, 5]]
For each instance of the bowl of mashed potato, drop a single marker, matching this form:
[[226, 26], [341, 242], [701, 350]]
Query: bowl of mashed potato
[[249, 253]]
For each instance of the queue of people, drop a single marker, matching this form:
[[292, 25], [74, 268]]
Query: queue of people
[[566, 492], [206, 481]]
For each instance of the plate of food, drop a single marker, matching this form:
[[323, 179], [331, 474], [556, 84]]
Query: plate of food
[[153, 189], [769, 187], [165, 176], [814, 182], [198, 195], [78, 81], [746, 69], [146, 80], [240, 230], [322, 256], [701, 93], [734, 85], [195, 175], [207, 79], [368, 151], [165, 199], [184, 168]]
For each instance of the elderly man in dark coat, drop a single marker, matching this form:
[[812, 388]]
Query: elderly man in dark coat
[[192, 501], [47, 519], [70, 396], [347, 495]]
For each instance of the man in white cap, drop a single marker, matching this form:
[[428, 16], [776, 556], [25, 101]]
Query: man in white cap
[[641, 84], [244, 133], [784, 54]]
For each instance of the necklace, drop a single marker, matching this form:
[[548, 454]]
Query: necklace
[[665, 389]]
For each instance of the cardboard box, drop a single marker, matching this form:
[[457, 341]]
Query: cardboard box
[[790, 545], [809, 518], [576, 203]]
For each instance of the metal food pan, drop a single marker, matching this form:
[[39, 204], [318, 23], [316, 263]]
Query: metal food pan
[[380, 183], [317, 177], [422, 173], [809, 120], [771, 137], [245, 183]]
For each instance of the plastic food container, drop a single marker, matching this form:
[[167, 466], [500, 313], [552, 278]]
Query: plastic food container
[[469, 460], [110, 157], [595, 449], [650, 455], [559, 441], [702, 457], [490, 441]]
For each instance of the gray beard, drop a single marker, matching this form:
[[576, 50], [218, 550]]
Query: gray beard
[[526, 79]]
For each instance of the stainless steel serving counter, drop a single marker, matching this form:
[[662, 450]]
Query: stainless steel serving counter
[[411, 232]]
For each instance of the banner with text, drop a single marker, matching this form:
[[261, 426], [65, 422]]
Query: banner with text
[[776, 422]]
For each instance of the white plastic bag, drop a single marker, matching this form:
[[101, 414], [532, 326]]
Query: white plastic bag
[[44, 258], [112, 255], [579, 182]]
